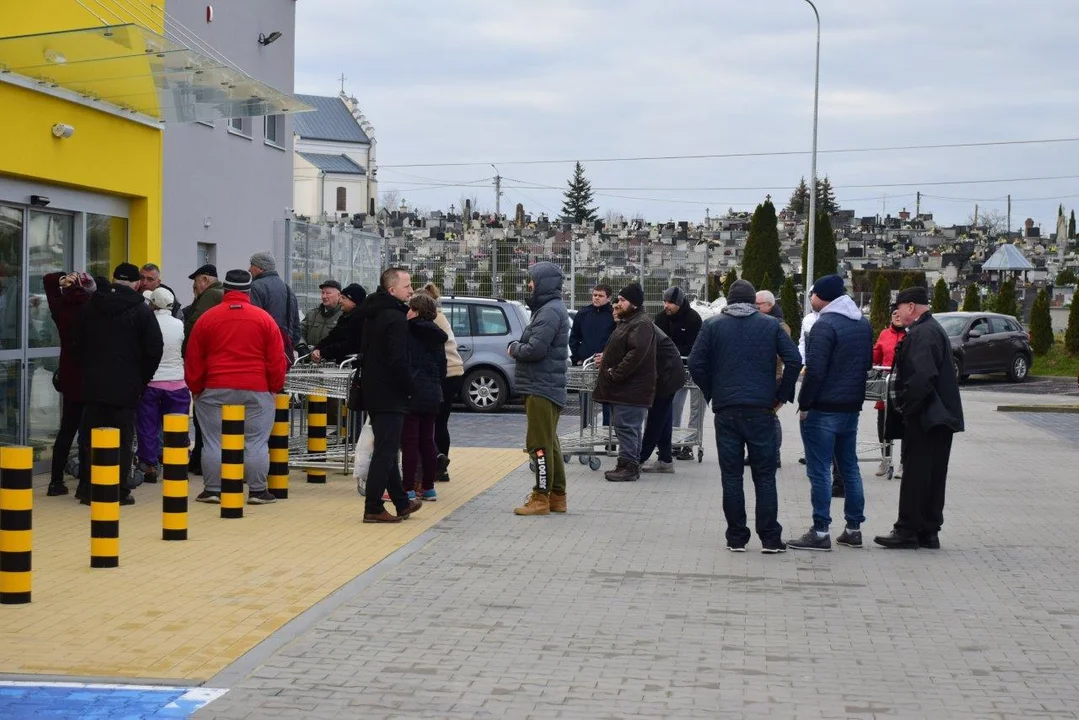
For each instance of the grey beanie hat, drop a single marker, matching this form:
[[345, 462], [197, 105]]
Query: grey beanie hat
[[264, 260], [742, 292], [674, 295]]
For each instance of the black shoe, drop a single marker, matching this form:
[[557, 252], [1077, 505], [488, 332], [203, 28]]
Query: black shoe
[[929, 541], [441, 463], [895, 541], [850, 538], [774, 548], [56, 489], [811, 541], [444, 477], [801, 461], [206, 496], [261, 498], [127, 500], [684, 453], [736, 548]]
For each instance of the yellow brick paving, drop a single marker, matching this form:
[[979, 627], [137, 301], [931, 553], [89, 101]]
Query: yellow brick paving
[[186, 609]]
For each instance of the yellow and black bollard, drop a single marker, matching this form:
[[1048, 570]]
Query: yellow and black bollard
[[174, 478], [316, 434], [232, 461], [277, 479], [104, 498], [16, 523]]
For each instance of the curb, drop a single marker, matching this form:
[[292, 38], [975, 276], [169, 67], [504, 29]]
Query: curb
[[1060, 409]]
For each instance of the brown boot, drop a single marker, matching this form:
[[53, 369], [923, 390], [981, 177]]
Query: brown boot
[[558, 502], [537, 504], [628, 472], [619, 465]]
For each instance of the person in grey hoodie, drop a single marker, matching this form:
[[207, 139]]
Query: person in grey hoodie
[[269, 292], [839, 355], [541, 356]]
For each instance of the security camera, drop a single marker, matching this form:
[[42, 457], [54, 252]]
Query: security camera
[[62, 130], [39, 201]]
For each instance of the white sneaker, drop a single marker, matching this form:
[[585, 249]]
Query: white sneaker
[[883, 469], [898, 473], [667, 468]]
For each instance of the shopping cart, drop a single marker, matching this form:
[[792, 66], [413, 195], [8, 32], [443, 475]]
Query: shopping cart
[[878, 387], [334, 382], [691, 435], [593, 439]]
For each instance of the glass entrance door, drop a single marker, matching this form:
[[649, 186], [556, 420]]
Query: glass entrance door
[[11, 323]]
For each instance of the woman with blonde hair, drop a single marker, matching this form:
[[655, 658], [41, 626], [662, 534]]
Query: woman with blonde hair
[[451, 386]]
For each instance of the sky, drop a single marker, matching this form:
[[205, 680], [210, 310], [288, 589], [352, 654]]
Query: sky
[[451, 82]]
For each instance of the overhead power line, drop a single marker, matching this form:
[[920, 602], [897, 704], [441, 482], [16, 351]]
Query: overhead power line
[[720, 156]]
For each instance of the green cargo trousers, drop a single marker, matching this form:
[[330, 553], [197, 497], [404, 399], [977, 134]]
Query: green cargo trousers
[[541, 443]]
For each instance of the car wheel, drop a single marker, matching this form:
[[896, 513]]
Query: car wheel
[[484, 390], [1019, 368], [957, 365]]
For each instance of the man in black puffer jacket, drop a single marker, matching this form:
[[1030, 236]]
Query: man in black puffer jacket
[[734, 364], [670, 378], [839, 355], [118, 340], [682, 324], [386, 382]]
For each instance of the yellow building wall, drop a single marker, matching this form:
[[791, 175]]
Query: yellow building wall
[[107, 153]]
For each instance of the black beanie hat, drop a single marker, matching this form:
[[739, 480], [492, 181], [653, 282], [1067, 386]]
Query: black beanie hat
[[674, 295], [742, 291], [355, 293], [633, 293], [238, 280]]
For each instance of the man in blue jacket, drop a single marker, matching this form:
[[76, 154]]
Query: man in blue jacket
[[592, 328], [839, 355], [541, 356], [734, 364]]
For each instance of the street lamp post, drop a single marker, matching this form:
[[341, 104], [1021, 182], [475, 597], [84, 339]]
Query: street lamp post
[[808, 269]]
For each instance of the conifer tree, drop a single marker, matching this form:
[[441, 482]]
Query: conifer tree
[[1006, 301], [1071, 226], [578, 198], [941, 299], [792, 311], [460, 284], [761, 255], [732, 276], [485, 289], [908, 282], [824, 252], [972, 301], [799, 202], [766, 283], [826, 197], [879, 316], [1071, 335], [1041, 325], [713, 287]]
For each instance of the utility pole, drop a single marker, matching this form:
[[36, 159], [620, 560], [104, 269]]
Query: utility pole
[[918, 206], [975, 214], [1009, 216], [498, 193]]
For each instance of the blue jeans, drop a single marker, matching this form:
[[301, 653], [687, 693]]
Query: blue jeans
[[657, 430], [827, 435], [627, 421], [752, 429]]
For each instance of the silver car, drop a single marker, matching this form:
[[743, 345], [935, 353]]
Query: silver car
[[484, 328]]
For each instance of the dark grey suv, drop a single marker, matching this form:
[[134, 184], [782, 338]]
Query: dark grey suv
[[483, 329], [986, 343]]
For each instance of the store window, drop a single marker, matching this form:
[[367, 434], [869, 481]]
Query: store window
[[106, 243]]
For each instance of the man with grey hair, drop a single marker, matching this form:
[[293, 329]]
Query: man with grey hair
[[150, 280], [766, 305], [269, 292]]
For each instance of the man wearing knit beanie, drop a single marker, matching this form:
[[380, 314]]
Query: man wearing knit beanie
[[627, 379], [734, 364], [839, 355], [269, 292], [681, 323]]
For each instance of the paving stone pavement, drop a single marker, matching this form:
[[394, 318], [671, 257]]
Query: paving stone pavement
[[630, 605]]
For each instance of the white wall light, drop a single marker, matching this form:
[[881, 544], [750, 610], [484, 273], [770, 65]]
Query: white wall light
[[62, 130]]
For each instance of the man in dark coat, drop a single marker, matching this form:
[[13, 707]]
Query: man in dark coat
[[66, 295], [118, 340], [346, 336], [427, 355], [839, 355], [208, 291], [386, 382], [270, 293], [627, 379], [540, 370], [681, 323], [670, 378], [734, 363], [927, 395], [592, 326]]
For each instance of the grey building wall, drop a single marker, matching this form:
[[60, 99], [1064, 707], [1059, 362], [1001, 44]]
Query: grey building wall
[[218, 187]]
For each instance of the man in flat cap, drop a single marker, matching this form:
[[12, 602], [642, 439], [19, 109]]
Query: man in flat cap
[[927, 395], [318, 321], [839, 355]]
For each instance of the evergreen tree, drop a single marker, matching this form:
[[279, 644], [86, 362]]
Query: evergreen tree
[[826, 197], [1071, 335], [879, 316], [799, 202], [1041, 325], [485, 290], [1006, 301], [792, 311], [460, 285], [908, 282], [972, 301], [713, 287], [439, 278], [941, 298], [1066, 277], [761, 255], [578, 198], [824, 252], [732, 276], [1071, 226], [766, 283]]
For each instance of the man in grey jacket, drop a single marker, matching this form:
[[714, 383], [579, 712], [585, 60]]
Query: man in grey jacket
[[541, 356], [269, 292]]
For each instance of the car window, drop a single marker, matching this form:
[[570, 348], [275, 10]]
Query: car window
[[981, 325], [952, 325], [490, 321], [458, 317], [1002, 325]]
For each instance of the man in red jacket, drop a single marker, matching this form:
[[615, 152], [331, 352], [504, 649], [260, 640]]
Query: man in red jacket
[[236, 356]]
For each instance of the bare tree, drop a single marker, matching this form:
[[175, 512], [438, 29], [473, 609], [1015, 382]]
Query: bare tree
[[994, 221], [613, 218], [472, 201], [391, 199]]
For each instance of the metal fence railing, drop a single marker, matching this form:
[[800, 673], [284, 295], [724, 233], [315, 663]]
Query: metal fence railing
[[315, 253]]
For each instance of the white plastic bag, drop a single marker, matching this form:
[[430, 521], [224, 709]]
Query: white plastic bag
[[365, 447]]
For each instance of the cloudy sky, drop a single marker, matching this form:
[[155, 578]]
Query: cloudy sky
[[454, 82]]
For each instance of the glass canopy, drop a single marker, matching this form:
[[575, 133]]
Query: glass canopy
[[141, 71]]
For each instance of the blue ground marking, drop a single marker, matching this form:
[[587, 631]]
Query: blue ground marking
[[33, 701]]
